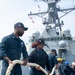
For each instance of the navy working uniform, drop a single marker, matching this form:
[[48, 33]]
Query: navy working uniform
[[61, 69], [68, 70], [52, 61], [41, 58], [60, 66], [12, 48]]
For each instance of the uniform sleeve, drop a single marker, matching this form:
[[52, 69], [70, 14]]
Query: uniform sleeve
[[24, 51], [3, 48], [59, 70], [47, 63], [31, 57], [55, 60]]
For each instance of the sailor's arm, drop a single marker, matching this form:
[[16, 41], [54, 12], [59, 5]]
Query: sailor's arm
[[3, 48], [47, 65], [56, 62], [8, 60], [25, 55]]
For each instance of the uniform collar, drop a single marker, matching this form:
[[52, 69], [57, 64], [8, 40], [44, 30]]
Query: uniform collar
[[38, 50], [14, 36]]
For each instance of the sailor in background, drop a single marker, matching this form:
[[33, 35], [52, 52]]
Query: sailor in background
[[68, 70], [73, 65], [53, 60], [40, 57], [60, 66]]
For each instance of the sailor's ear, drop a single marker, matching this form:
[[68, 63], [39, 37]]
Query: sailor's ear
[[34, 44]]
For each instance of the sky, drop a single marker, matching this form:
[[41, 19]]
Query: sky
[[13, 11]]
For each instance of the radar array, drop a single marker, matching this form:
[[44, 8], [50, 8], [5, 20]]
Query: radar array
[[53, 18]]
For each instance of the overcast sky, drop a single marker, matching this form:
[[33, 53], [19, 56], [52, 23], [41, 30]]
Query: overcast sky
[[12, 11]]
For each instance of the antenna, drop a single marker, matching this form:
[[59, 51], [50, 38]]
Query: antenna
[[53, 18], [36, 0]]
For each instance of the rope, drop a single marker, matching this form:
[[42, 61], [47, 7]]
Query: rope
[[10, 67], [53, 70]]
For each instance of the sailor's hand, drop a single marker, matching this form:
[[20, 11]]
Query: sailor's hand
[[24, 62], [10, 62], [37, 67], [48, 72], [56, 66]]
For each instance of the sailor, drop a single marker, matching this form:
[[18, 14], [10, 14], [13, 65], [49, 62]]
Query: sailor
[[73, 67], [11, 48], [60, 66], [68, 70], [53, 60], [38, 56]]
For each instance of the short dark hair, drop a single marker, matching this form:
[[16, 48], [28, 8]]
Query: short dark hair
[[53, 50]]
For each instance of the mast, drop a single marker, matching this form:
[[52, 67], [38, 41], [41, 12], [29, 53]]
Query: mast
[[53, 18]]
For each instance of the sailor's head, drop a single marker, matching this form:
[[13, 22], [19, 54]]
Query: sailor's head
[[66, 63], [20, 28], [73, 63], [54, 51], [59, 59], [39, 42]]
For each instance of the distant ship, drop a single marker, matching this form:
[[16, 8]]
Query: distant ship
[[53, 35]]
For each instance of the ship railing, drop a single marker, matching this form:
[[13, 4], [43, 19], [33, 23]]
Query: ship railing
[[53, 39], [73, 38]]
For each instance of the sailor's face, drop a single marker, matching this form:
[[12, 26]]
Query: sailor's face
[[40, 46], [20, 31]]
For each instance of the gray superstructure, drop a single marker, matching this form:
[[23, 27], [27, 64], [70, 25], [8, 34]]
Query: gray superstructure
[[53, 35]]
